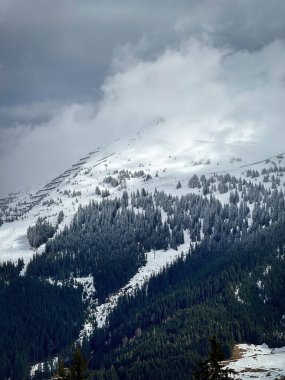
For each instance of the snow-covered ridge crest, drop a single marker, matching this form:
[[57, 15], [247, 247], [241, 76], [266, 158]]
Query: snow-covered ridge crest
[[166, 154]]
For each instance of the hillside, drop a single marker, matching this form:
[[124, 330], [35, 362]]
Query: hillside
[[157, 153], [148, 236]]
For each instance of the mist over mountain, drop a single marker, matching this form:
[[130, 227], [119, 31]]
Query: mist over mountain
[[218, 71], [142, 190]]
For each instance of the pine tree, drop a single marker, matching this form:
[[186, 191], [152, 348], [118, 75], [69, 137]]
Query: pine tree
[[79, 368], [63, 373], [60, 217], [211, 368], [178, 186]]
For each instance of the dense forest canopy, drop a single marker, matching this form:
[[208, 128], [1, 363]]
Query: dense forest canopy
[[229, 282]]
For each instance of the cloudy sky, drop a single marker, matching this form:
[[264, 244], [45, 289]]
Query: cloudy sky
[[77, 74]]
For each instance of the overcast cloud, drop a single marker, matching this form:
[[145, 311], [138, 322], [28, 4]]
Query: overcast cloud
[[75, 75]]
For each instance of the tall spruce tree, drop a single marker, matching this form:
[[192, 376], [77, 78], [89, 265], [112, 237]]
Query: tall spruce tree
[[79, 368], [211, 368]]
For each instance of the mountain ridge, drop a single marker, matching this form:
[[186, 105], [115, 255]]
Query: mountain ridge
[[155, 170]]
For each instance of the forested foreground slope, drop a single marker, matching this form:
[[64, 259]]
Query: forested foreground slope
[[162, 331]]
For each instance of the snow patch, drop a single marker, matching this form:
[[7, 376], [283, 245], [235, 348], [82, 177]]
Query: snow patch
[[156, 261], [39, 367], [237, 289], [259, 362]]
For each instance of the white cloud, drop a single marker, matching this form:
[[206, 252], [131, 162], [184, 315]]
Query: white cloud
[[214, 91], [208, 91]]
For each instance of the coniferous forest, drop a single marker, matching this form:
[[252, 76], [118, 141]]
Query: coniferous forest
[[142, 190], [36, 321], [229, 283], [162, 331]]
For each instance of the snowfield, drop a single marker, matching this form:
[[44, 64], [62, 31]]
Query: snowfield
[[258, 362]]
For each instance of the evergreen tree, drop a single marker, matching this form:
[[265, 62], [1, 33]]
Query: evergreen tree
[[60, 217], [63, 373], [79, 368], [40, 232], [178, 186], [211, 368]]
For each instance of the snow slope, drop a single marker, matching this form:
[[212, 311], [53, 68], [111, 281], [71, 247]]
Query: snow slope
[[156, 260], [168, 155], [258, 362], [164, 153]]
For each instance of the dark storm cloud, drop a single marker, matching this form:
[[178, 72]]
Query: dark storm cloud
[[59, 61], [61, 50], [240, 24]]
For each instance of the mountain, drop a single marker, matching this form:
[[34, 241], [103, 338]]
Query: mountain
[[157, 150], [141, 251]]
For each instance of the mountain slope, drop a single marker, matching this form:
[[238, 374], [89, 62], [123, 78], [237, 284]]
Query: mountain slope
[[114, 202], [158, 150]]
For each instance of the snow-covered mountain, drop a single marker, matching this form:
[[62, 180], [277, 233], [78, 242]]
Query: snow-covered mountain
[[159, 157]]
